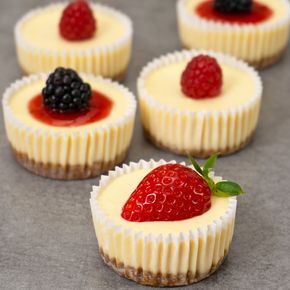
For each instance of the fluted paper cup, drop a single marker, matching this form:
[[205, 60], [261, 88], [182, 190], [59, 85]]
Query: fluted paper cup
[[199, 133], [67, 152], [159, 253], [108, 59], [259, 44]]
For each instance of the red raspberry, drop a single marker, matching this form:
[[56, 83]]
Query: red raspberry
[[77, 21], [170, 192], [202, 78]]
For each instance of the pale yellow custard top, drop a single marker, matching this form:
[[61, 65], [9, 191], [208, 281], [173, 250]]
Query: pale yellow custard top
[[19, 101], [163, 85], [113, 196], [42, 30]]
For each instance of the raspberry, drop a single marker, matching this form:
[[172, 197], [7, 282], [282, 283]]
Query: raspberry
[[77, 21], [235, 6], [202, 78], [66, 92]]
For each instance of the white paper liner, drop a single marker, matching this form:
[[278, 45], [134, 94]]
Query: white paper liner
[[259, 44], [110, 60], [87, 145], [199, 133], [194, 252]]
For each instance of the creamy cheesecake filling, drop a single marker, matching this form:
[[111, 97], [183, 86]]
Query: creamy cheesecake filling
[[65, 152], [115, 194], [158, 253], [275, 6], [26, 93], [163, 85], [40, 48], [42, 30], [223, 124], [259, 44]]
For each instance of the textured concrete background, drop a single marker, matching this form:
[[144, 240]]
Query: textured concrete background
[[47, 240]]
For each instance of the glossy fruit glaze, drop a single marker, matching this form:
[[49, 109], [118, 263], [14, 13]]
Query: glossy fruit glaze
[[99, 108], [259, 13]]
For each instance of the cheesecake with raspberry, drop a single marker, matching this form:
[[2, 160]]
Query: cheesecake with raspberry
[[67, 126], [87, 37], [199, 102], [164, 224], [256, 31]]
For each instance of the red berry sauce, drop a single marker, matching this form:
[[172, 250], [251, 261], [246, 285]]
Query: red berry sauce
[[258, 14], [99, 108]]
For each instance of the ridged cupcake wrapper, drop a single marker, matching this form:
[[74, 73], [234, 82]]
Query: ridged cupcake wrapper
[[57, 154], [258, 44], [198, 133], [161, 259], [109, 60]]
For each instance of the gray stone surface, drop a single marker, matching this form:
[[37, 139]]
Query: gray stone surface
[[47, 240]]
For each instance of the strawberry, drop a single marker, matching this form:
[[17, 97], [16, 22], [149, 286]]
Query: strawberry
[[77, 21], [173, 192]]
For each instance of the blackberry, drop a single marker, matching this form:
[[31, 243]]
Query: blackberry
[[65, 92], [229, 6]]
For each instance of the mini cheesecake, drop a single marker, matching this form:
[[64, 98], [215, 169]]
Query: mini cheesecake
[[258, 36], [199, 126], [41, 46], [65, 143], [169, 238]]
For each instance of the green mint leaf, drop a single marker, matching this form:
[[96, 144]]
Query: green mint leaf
[[209, 164], [228, 188], [195, 165], [221, 194]]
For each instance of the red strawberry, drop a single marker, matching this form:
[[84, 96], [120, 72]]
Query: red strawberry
[[202, 78], [174, 192], [77, 21]]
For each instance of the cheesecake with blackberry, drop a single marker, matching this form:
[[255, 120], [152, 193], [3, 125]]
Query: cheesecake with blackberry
[[256, 31], [68, 126]]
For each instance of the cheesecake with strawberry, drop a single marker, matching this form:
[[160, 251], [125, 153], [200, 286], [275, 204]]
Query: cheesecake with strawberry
[[87, 37], [68, 126], [256, 31], [199, 102], [164, 224]]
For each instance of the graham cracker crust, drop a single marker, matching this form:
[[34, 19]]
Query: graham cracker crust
[[157, 279], [68, 172], [120, 76], [260, 63], [266, 61], [194, 153]]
